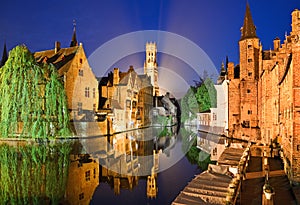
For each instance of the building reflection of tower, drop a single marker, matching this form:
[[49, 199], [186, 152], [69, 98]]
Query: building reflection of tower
[[133, 156], [120, 167], [85, 170], [152, 188]]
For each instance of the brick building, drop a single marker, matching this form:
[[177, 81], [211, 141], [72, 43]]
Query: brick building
[[128, 97], [79, 80], [243, 86], [264, 102]]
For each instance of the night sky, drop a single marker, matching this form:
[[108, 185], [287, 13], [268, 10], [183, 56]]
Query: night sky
[[212, 25]]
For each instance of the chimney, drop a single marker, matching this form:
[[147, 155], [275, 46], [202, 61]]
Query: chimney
[[57, 46], [276, 44], [116, 77]]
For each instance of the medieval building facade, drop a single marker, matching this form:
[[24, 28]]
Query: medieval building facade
[[128, 97], [264, 103], [77, 76]]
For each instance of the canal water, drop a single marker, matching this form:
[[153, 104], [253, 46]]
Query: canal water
[[145, 166]]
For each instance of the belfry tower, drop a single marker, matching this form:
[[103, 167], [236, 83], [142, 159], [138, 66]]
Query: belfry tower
[[249, 49], [150, 66]]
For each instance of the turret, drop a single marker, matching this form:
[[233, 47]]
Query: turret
[[296, 21]]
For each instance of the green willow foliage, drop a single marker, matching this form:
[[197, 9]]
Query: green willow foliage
[[198, 99], [32, 98], [33, 174]]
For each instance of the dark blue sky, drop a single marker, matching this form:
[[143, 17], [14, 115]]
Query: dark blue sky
[[213, 25]]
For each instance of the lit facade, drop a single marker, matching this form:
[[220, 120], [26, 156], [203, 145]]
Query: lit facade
[[264, 92], [77, 76], [150, 66], [128, 96]]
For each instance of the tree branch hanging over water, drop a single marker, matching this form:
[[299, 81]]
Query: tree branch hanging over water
[[32, 98]]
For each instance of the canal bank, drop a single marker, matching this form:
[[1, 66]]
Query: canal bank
[[258, 172], [261, 167], [221, 183]]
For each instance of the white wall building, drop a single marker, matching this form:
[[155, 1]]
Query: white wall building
[[215, 120]]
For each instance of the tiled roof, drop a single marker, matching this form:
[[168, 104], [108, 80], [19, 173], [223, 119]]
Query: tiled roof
[[61, 59]]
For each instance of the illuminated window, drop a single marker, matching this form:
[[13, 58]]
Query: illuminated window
[[87, 92]]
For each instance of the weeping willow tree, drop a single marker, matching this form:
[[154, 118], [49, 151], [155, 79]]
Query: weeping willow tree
[[34, 174], [32, 98]]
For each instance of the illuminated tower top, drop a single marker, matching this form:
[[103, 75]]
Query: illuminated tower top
[[150, 66]]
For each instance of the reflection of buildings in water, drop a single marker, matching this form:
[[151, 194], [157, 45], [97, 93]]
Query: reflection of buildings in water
[[211, 144], [120, 167], [152, 188], [85, 170], [133, 156]]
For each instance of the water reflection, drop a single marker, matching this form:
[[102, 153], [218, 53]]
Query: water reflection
[[33, 174], [134, 155], [83, 179], [71, 172]]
